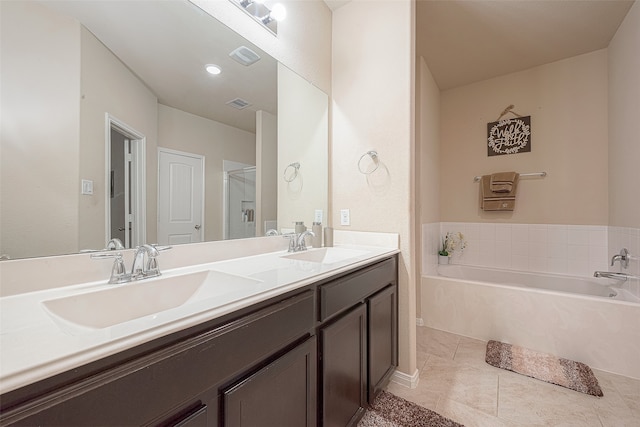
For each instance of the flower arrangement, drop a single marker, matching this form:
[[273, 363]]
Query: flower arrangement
[[452, 242]]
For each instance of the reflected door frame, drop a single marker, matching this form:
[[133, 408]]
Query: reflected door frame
[[137, 182]]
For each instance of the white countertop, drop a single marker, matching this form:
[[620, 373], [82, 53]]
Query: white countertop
[[35, 345]]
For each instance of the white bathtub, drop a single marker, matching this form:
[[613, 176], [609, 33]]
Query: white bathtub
[[583, 319]]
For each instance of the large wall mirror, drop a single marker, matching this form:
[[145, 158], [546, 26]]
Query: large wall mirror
[[112, 127]]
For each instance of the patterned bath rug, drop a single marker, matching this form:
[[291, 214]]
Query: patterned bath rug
[[389, 410], [546, 367]]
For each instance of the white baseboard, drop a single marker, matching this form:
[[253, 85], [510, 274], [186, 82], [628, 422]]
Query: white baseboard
[[419, 321], [409, 381]]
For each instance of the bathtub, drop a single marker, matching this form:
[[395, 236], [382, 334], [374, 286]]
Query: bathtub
[[589, 320]]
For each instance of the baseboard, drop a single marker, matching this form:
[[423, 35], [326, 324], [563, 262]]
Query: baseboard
[[409, 381], [419, 321]]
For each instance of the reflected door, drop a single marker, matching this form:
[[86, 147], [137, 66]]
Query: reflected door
[[180, 197]]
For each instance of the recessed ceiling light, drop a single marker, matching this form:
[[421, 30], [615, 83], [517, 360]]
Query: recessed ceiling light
[[213, 69]]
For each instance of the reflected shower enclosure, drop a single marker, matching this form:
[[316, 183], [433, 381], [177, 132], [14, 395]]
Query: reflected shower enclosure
[[239, 200]]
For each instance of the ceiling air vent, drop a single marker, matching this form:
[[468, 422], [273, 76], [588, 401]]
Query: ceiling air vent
[[238, 103], [244, 56]]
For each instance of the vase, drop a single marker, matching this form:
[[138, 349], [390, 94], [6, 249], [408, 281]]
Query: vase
[[442, 259]]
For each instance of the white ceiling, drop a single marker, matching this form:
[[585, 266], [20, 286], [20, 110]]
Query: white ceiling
[[465, 41], [167, 45], [468, 41]]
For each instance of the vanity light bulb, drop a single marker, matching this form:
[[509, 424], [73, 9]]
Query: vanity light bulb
[[279, 12], [213, 69]]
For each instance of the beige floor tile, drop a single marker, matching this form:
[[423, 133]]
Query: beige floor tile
[[438, 343], [470, 417], [456, 382], [611, 408], [622, 394], [532, 402], [472, 352], [465, 384]]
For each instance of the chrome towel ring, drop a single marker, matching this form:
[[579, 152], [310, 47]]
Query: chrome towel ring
[[291, 172], [374, 157]]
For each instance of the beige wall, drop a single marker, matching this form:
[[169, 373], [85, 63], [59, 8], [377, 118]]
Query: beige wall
[[624, 122], [40, 76], [215, 141], [427, 172], [108, 86], [266, 169], [373, 91], [567, 101], [303, 115], [303, 42]]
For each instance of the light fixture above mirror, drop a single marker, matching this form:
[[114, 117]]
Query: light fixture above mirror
[[268, 16]]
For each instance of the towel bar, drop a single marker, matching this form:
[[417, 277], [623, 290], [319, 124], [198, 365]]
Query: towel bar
[[540, 174]]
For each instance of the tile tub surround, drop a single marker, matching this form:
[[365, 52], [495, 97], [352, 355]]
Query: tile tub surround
[[456, 382], [576, 250], [603, 333], [23, 322]]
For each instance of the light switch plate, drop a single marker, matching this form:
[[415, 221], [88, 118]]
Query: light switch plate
[[345, 217], [87, 186], [318, 216]]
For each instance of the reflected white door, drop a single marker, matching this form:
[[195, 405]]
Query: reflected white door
[[180, 197]]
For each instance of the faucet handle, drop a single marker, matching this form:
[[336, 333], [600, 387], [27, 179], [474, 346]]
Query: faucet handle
[[118, 271], [292, 241], [623, 257]]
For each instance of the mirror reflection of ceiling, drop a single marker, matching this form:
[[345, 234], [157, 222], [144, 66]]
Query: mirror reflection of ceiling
[[178, 79], [469, 41]]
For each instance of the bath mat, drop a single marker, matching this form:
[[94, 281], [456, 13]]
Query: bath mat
[[555, 370], [389, 410]]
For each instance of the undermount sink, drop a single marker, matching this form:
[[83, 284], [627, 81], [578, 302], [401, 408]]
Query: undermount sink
[[325, 255], [122, 303]]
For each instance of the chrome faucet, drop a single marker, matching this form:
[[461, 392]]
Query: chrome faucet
[[623, 257], [296, 241], [302, 245], [140, 269], [115, 244], [611, 275]]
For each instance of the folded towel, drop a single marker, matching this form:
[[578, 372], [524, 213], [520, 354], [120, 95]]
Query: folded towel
[[502, 182], [497, 201], [499, 205]]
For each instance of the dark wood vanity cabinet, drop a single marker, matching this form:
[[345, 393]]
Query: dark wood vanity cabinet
[[312, 357], [358, 341]]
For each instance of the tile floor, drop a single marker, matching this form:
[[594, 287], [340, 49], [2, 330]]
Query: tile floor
[[456, 382]]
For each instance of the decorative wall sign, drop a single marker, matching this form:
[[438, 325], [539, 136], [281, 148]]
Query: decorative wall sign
[[509, 136]]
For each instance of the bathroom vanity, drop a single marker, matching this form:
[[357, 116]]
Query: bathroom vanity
[[313, 354]]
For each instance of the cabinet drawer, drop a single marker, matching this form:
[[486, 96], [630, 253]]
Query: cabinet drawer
[[347, 291], [146, 389]]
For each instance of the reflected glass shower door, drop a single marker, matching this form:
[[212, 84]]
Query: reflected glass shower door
[[240, 203]]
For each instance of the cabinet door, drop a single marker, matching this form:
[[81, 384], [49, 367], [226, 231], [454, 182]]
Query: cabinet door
[[343, 362], [383, 339], [281, 394]]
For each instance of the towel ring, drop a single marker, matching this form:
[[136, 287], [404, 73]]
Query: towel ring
[[295, 167], [374, 157]]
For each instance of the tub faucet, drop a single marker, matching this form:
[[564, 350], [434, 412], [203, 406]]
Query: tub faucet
[[623, 257], [611, 275]]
